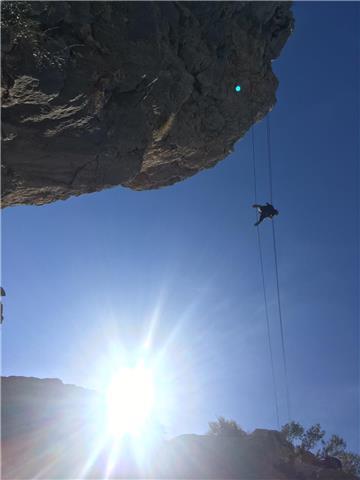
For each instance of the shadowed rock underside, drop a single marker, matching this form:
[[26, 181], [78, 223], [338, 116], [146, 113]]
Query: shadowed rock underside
[[139, 94]]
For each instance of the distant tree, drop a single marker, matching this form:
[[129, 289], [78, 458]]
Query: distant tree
[[311, 437], [334, 447], [225, 428], [350, 462], [304, 440], [293, 431]]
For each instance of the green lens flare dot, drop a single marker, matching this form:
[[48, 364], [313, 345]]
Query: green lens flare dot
[[237, 88]]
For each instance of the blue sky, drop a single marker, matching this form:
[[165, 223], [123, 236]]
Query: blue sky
[[85, 278]]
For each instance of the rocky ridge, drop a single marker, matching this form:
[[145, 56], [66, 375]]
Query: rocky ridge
[[52, 428]]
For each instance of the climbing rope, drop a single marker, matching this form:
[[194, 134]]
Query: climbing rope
[[264, 289], [269, 157], [277, 273]]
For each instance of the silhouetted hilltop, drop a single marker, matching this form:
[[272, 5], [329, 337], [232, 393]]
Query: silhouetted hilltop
[[139, 94], [30, 403], [49, 430]]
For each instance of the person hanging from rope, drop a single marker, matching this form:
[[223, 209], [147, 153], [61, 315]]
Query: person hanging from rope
[[266, 211]]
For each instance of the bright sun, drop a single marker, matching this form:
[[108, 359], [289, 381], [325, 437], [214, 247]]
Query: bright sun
[[130, 399]]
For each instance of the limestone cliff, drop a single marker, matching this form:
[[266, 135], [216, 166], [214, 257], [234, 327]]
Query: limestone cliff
[[50, 430], [139, 94]]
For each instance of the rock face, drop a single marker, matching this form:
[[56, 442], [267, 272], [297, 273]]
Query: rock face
[[139, 94], [45, 427], [52, 430], [251, 457]]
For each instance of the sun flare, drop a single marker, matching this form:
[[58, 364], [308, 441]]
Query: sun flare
[[130, 400]]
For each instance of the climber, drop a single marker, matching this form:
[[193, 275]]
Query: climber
[[266, 211], [2, 294]]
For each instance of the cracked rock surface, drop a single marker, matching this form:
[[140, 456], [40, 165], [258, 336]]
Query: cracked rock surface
[[139, 94]]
